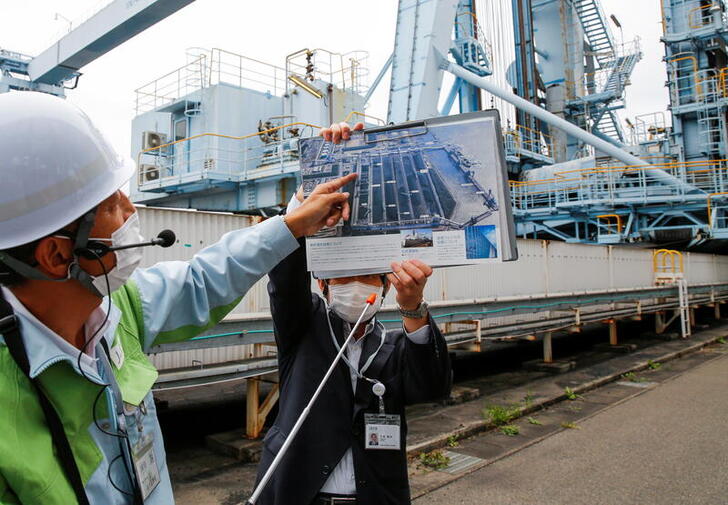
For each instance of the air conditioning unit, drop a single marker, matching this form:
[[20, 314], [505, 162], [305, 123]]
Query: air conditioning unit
[[148, 172], [150, 140]]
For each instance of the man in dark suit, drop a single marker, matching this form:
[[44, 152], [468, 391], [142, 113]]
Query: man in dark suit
[[333, 459]]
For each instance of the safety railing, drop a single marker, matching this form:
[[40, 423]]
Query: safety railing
[[649, 128], [685, 85], [704, 15], [208, 68], [347, 71], [692, 15], [667, 266], [613, 76], [619, 185], [476, 50], [611, 223], [222, 157], [717, 214], [171, 87], [535, 141], [232, 68], [467, 21], [512, 144]]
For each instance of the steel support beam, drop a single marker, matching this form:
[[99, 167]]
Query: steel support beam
[[379, 78], [110, 27]]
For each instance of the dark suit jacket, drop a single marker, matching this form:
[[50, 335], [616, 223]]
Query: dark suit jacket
[[412, 373]]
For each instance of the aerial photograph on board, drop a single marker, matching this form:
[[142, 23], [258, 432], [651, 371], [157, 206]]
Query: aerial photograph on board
[[428, 190], [435, 177]]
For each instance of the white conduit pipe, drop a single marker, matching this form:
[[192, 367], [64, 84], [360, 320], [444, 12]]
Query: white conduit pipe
[[562, 124]]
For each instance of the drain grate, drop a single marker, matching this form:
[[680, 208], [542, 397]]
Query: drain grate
[[459, 462]]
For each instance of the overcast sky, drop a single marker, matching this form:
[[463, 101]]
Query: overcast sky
[[268, 31]]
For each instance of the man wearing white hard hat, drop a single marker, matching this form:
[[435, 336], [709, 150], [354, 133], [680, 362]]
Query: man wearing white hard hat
[[77, 416]]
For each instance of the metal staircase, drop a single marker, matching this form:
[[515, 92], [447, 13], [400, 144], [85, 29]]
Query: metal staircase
[[596, 30], [621, 70], [609, 125]]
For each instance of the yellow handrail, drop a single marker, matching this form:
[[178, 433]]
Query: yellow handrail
[[722, 81], [663, 254], [548, 139], [218, 135], [692, 12], [608, 218], [696, 77], [711, 195], [232, 137]]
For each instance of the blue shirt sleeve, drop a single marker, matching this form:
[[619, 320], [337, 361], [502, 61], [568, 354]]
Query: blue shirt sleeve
[[182, 299]]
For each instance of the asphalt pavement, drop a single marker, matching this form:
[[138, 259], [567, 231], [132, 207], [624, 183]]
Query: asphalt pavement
[[668, 445]]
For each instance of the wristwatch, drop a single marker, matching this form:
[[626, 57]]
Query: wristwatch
[[418, 313]]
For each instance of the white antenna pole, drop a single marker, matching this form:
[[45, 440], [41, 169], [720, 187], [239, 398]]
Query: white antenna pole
[[294, 431]]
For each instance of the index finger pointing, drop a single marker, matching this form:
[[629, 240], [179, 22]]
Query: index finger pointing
[[335, 185]]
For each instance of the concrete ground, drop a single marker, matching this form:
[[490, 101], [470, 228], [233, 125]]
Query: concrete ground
[[664, 444], [203, 477]]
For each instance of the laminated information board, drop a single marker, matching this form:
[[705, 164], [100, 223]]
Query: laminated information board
[[435, 190]]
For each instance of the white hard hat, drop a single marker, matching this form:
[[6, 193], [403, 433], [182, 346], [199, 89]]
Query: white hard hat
[[55, 166]]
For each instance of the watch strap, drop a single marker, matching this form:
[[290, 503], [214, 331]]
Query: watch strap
[[418, 313]]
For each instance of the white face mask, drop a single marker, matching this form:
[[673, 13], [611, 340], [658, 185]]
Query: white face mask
[[127, 260], [348, 300]]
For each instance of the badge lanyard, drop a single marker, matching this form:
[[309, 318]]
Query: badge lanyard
[[377, 387], [381, 431]]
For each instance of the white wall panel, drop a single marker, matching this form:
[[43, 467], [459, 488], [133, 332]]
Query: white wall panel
[[544, 267]]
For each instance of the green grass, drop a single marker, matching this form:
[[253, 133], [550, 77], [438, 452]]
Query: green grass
[[533, 420], [434, 459], [721, 340], [500, 415], [510, 429], [653, 365], [630, 376], [528, 399], [452, 441], [570, 394], [570, 426]]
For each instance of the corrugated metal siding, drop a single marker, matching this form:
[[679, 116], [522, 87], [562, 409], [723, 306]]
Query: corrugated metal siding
[[543, 267], [195, 231]]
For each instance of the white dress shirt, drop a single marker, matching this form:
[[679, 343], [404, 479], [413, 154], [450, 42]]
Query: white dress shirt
[[343, 480]]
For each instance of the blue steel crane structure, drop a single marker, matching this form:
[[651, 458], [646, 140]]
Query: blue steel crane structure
[[578, 176], [52, 70], [602, 186]]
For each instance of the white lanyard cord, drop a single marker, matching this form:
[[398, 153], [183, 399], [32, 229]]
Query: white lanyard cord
[[359, 373]]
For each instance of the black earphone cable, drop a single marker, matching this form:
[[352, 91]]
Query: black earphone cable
[[111, 480], [122, 437]]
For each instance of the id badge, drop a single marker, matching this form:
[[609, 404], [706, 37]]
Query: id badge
[[382, 431], [145, 465]]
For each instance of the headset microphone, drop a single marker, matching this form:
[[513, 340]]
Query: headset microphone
[[165, 238], [95, 249]]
